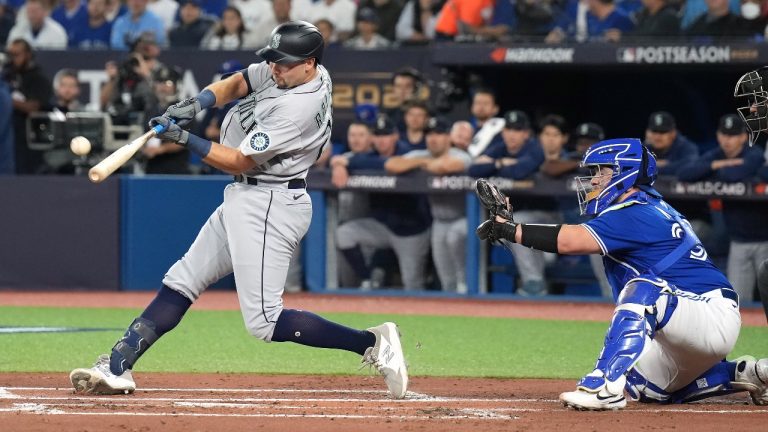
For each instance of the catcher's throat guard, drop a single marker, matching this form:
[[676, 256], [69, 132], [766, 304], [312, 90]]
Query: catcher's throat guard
[[754, 112]]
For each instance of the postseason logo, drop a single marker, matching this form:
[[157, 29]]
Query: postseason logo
[[674, 54], [260, 141]]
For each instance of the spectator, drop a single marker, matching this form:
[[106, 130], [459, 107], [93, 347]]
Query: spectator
[[463, 17], [461, 134], [70, 14], [604, 22], [7, 20], [39, 29], [449, 226], [417, 21], [165, 157], [30, 91], [7, 153], [214, 8], [398, 221], [129, 26], [66, 89], [95, 33], [258, 17], [279, 13], [406, 84], [229, 33], [341, 13], [693, 9], [367, 36], [735, 161], [115, 8], [671, 148], [525, 18], [166, 10], [484, 111], [416, 117], [517, 156], [718, 21], [129, 93], [327, 30], [754, 14], [192, 27], [388, 12], [656, 19]]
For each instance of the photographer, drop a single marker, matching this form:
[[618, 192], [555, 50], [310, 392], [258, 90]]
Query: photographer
[[165, 157], [129, 92]]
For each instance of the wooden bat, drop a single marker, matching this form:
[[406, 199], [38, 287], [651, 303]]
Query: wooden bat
[[103, 169]]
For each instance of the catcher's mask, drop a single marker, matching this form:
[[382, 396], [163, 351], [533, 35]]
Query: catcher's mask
[[632, 165], [755, 112]]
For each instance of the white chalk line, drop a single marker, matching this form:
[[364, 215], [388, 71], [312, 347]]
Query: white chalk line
[[5, 394]]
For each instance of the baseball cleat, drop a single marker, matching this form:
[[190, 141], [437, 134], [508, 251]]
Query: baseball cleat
[[602, 400], [752, 376], [100, 380], [387, 357]]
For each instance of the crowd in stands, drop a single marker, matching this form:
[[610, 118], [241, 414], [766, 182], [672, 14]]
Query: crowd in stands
[[408, 137], [371, 24]]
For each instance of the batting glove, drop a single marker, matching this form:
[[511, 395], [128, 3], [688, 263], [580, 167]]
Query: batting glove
[[183, 112], [172, 130]]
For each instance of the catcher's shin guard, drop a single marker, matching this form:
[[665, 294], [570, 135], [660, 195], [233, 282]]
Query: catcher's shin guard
[[633, 324]]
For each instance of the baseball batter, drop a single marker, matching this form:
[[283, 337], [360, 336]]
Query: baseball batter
[[268, 141], [676, 317]]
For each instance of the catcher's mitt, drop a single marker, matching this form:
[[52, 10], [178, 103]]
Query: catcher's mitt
[[493, 231], [493, 200]]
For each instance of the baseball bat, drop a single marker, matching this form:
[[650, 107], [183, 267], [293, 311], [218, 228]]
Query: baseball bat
[[103, 169]]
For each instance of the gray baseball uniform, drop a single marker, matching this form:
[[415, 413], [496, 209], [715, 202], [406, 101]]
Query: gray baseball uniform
[[256, 229]]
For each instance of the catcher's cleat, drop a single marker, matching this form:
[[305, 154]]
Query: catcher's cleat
[[100, 380], [493, 199], [752, 376], [602, 400], [387, 357]]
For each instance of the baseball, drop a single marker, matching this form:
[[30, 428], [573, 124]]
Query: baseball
[[80, 145]]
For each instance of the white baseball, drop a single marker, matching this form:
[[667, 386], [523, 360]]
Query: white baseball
[[80, 145]]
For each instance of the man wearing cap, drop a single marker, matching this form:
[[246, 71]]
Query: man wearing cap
[[671, 148], [584, 136], [396, 221], [449, 226], [517, 156], [735, 161], [367, 36], [192, 27], [138, 20]]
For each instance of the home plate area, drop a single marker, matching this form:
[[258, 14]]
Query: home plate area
[[334, 403]]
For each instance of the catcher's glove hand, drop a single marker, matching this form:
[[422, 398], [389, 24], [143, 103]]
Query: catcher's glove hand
[[493, 231], [493, 200]]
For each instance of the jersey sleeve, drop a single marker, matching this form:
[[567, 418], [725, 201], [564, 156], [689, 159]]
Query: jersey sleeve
[[258, 74], [274, 136], [416, 154], [615, 231]]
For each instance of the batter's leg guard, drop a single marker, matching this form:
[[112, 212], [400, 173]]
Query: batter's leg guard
[[135, 342], [632, 326]]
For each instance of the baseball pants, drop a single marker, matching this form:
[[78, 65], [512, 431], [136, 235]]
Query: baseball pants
[[449, 253], [744, 260]]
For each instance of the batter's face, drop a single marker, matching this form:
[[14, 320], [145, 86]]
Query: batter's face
[[288, 75]]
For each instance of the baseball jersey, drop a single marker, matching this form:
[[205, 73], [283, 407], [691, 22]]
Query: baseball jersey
[[638, 233], [283, 130], [446, 207]]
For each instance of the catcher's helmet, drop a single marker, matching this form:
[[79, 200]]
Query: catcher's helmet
[[293, 42], [752, 86], [632, 164]]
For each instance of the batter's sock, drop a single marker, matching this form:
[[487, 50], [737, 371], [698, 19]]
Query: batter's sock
[[356, 260], [306, 328], [161, 316]]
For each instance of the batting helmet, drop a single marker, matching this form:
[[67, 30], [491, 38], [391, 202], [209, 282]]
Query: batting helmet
[[632, 164], [293, 42]]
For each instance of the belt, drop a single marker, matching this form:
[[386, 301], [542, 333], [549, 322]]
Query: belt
[[298, 183], [672, 303], [729, 294]]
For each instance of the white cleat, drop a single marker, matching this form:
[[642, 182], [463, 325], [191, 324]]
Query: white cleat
[[100, 380], [387, 357], [752, 376], [602, 400]]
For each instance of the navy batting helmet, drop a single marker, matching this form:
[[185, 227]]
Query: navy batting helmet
[[293, 42]]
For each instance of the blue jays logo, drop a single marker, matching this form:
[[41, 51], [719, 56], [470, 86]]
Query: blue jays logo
[[260, 141]]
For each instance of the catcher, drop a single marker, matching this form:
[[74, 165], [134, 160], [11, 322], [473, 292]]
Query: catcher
[[676, 317]]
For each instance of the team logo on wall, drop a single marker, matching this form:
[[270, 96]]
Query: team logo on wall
[[275, 41], [260, 141]]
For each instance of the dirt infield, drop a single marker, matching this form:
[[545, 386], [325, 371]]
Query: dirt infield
[[225, 402]]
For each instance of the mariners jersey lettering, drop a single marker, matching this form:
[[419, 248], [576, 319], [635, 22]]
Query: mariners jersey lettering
[[283, 130], [638, 233]]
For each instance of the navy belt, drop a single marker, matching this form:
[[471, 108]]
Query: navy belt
[[730, 294], [298, 183]]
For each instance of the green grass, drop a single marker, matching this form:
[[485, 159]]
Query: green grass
[[216, 341]]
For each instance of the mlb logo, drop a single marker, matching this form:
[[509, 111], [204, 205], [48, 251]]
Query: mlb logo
[[702, 383]]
